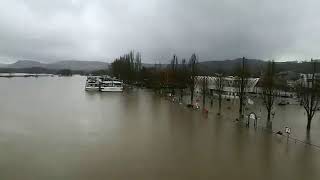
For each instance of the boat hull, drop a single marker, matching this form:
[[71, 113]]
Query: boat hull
[[92, 88], [111, 89]]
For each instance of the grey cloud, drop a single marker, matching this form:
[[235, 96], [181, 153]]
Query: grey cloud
[[102, 30]]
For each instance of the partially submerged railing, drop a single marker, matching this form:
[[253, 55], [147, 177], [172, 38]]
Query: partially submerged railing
[[279, 133]]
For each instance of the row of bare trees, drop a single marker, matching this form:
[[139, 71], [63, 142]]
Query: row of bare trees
[[182, 77], [127, 67], [307, 89], [179, 76]]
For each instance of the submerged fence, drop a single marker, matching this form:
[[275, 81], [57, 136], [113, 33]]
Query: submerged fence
[[282, 134]]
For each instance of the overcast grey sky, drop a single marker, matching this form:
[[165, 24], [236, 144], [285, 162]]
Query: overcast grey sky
[[52, 30]]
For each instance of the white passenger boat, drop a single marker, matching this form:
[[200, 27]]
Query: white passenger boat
[[111, 86], [103, 84], [92, 83], [108, 84]]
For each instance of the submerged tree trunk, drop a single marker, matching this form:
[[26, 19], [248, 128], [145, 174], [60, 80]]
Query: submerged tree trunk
[[204, 91], [309, 123], [219, 81], [241, 107], [220, 101], [269, 113], [192, 75], [269, 125], [204, 100], [191, 98]]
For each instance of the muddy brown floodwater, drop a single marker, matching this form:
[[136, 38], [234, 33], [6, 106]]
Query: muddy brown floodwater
[[50, 128]]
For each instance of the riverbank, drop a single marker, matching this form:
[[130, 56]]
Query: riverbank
[[11, 75]]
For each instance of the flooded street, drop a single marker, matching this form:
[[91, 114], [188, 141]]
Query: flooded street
[[50, 128], [292, 115]]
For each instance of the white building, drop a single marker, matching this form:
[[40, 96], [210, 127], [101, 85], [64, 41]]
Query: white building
[[230, 88], [305, 79]]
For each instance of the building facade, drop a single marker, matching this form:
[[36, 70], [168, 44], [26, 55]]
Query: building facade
[[229, 88]]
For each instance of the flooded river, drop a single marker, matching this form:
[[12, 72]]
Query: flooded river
[[50, 128]]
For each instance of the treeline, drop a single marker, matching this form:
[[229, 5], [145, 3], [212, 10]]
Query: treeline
[[127, 67], [181, 77], [178, 76]]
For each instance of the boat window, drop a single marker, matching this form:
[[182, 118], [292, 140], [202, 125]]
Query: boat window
[[107, 84]]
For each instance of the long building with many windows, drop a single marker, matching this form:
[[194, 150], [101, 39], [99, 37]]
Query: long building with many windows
[[230, 85]]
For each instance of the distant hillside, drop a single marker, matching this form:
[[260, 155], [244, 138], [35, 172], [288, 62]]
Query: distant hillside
[[228, 67], [25, 64], [2, 65], [73, 65], [255, 66], [78, 65]]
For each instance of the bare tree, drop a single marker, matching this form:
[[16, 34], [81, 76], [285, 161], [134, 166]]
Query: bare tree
[[138, 67], [193, 63], [219, 86], [182, 77], [269, 87], [204, 90], [241, 82], [173, 71], [308, 90]]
